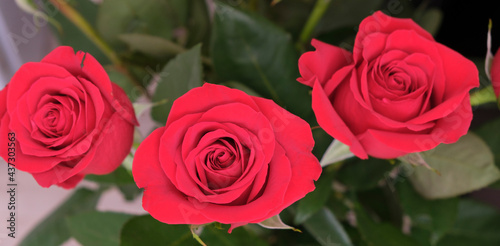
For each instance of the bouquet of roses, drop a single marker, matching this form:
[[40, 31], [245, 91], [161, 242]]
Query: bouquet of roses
[[352, 136]]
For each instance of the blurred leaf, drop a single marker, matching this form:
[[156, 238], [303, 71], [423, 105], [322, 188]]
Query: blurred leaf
[[117, 17], [314, 201], [72, 36], [29, 6], [129, 191], [53, 229], [151, 45], [436, 216], [250, 49], [275, 222], [119, 177], [178, 77], [364, 174], [178, 11], [343, 13], [465, 166], [431, 20], [380, 234], [241, 87], [97, 228], [199, 24], [274, 2], [122, 178], [124, 82], [491, 135], [477, 224], [416, 159], [326, 229], [212, 235], [355, 236], [145, 230], [337, 151], [321, 140], [495, 185]]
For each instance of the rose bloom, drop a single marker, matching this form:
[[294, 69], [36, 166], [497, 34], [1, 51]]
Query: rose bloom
[[495, 73], [225, 156], [398, 92], [68, 118]]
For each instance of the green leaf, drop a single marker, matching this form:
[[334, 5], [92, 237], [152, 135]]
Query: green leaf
[[477, 224], [380, 234], [72, 36], [250, 49], [465, 166], [431, 20], [212, 235], [337, 151], [199, 24], [364, 174], [435, 216], [119, 177], [326, 229], [145, 230], [129, 191], [178, 10], [53, 229], [97, 228], [117, 77], [117, 17], [150, 45], [343, 13], [241, 87], [178, 77], [122, 178], [490, 134], [315, 200]]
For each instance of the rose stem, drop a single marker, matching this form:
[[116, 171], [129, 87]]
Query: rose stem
[[92, 34], [319, 10]]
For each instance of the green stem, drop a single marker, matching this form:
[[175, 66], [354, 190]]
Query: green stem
[[84, 26], [319, 10], [485, 95]]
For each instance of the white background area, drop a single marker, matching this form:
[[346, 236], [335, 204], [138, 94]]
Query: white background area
[[33, 202]]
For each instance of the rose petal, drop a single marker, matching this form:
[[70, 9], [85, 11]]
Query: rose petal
[[161, 198], [382, 23], [495, 73], [322, 63], [274, 194], [109, 155], [3, 101], [331, 122], [211, 95], [386, 145], [27, 74]]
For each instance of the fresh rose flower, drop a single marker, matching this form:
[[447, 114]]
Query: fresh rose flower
[[225, 156], [495, 73], [68, 118], [398, 92]]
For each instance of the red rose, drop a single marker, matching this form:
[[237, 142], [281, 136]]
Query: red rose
[[69, 119], [399, 92], [225, 156], [495, 73]]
